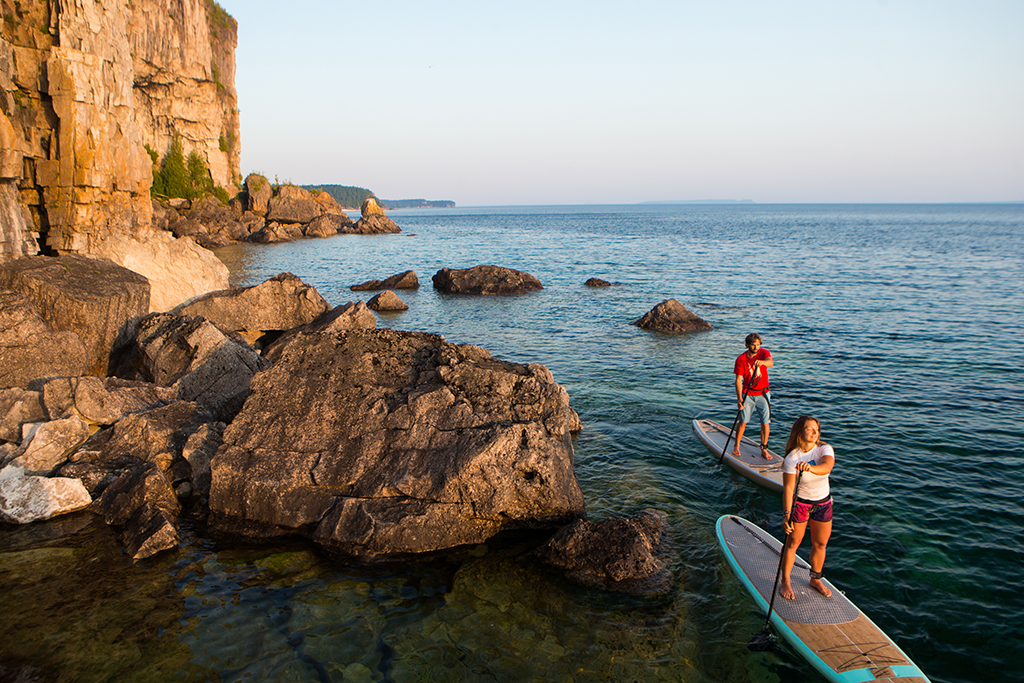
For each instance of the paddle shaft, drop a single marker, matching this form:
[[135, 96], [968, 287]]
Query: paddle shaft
[[782, 553], [753, 376]]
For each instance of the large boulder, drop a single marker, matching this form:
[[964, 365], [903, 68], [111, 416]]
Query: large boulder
[[329, 224], [672, 317], [259, 191], [273, 232], [191, 354], [26, 499], [177, 269], [292, 204], [30, 348], [280, 303], [91, 297], [372, 224], [626, 554], [395, 442], [490, 280], [404, 280]]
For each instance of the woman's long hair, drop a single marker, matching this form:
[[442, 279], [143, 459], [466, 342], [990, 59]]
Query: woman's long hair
[[798, 429]]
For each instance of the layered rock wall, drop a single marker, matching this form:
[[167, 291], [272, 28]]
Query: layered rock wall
[[84, 88]]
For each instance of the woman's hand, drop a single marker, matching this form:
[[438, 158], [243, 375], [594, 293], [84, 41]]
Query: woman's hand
[[787, 526]]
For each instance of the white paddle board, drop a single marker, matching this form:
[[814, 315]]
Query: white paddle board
[[750, 463], [832, 634]]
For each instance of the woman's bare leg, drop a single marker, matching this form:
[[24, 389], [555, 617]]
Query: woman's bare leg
[[789, 558], [820, 533]]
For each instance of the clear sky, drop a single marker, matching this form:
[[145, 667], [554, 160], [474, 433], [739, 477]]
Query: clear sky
[[565, 102]]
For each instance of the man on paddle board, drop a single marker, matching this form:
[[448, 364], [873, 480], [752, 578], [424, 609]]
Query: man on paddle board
[[751, 368]]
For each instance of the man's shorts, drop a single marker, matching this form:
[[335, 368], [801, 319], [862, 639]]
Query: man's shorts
[[764, 410], [820, 511]]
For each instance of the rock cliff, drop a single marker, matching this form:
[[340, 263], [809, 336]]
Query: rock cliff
[[84, 88]]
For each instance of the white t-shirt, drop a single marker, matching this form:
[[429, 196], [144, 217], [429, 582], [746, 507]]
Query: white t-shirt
[[812, 486]]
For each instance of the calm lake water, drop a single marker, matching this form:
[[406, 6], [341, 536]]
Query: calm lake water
[[899, 326]]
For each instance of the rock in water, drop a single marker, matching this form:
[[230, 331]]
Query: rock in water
[[387, 301], [628, 555], [404, 280], [395, 442], [673, 317], [491, 280]]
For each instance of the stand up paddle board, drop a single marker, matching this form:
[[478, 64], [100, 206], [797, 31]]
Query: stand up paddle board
[[835, 637], [766, 473]]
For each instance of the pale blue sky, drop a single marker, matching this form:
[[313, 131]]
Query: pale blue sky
[[595, 102]]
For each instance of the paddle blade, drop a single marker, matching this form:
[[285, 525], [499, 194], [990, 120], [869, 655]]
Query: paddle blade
[[763, 642]]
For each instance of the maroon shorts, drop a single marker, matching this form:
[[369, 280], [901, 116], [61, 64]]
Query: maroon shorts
[[819, 511]]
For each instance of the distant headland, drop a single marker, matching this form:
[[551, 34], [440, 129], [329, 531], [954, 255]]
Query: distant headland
[[353, 197]]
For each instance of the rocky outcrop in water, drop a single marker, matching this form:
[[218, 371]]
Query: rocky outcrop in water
[[672, 317], [489, 280], [370, 442], [395, 442]]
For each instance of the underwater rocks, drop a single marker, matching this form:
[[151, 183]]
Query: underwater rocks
[[672, 317]]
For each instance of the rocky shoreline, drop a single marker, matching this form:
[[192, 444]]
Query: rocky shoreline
[[262, 412]]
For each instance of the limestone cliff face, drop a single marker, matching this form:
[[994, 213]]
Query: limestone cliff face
[[84, 87]]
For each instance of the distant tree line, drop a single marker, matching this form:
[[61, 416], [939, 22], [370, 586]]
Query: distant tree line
[[348, 197]]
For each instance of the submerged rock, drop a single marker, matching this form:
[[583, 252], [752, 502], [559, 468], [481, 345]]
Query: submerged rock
[[395, 442], [673, 317], [488, 280], [622, 554]]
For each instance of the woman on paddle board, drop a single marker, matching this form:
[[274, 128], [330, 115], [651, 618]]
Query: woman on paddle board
[[805, 452]]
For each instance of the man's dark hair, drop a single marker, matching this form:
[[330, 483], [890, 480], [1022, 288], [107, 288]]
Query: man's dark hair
[[750, 339]]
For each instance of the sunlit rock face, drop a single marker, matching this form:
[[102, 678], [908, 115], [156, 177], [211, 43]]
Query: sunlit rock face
[[85, 87]]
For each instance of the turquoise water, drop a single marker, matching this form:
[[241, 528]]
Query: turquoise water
[[897, 325]]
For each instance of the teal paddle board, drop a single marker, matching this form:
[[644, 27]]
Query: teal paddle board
[[832, 634]]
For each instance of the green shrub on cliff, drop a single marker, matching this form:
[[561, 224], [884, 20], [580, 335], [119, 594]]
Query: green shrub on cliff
[[183, 178]]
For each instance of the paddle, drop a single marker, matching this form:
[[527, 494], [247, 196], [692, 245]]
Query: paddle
[[765, 641], [725, 448]]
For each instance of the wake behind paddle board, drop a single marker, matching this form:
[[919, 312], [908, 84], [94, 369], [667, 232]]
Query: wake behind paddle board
[[750, 464], [832, 634]]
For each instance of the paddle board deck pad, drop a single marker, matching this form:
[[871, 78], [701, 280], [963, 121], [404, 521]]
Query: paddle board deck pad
[[750, 463], [835, 637]]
